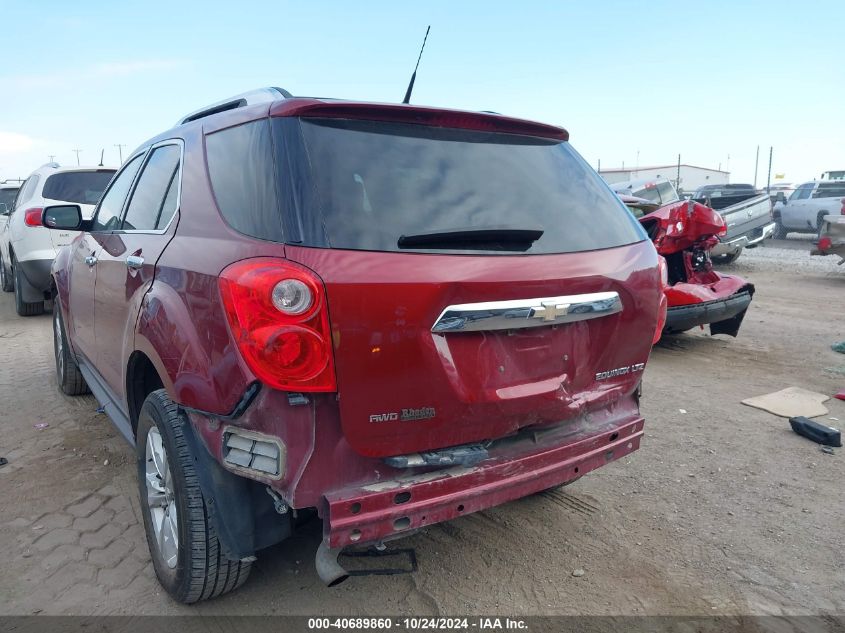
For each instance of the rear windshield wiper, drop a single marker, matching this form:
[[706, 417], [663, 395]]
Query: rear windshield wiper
[[488, 238]]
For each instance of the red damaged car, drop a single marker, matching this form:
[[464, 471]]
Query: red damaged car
[[392, 314], [684, 233]]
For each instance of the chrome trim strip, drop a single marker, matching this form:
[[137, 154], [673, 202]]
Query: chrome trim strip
[[526, 313]]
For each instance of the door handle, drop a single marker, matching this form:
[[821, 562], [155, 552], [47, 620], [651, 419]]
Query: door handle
[[134, 261], [91, 260]]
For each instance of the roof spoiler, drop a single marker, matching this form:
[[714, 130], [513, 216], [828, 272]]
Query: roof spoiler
[[260, 95]]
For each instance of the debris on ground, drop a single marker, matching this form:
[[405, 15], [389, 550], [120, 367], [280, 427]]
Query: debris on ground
[[100, 410], [578, 572], [819, 433], [41, 425], [840, 395], [838, 347], [682, 410], [828, 450], [791, 402], [3, 461]]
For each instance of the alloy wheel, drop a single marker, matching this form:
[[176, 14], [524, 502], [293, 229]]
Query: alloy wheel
[[60, 343], [161, 501]]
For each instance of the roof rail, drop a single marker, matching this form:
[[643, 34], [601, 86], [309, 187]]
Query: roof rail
[[260, 95]]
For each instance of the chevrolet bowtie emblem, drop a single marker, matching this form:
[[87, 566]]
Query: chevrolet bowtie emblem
[[550, 311]]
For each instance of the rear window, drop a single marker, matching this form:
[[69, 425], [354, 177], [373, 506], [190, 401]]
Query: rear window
[[661, 193], [80, 187], [7, 197], [363, 185]]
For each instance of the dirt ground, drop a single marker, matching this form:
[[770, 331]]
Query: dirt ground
[[723, 510]]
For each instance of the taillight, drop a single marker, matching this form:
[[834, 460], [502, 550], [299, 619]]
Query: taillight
[[825, 243], [722, 232], [279, 318], [32, 217], [663, 304]]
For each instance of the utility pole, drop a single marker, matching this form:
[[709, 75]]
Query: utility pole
[[728, 167], [120, 147], [599, 169], [756, 162], [769, 179], [78, 151], [52, 157]]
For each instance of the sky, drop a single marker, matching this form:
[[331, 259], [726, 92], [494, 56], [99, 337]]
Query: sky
[[634, 82]]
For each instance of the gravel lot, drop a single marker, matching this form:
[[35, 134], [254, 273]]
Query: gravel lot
[[723, 510]]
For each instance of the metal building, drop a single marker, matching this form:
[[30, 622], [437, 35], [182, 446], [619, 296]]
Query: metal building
[[691, 176]]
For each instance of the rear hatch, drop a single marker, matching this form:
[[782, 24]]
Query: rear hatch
[[82, 187], [477, 282]]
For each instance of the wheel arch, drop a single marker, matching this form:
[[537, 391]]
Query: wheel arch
[[142, 378]]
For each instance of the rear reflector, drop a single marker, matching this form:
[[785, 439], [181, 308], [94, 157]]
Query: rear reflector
[[32, 217], [253, 452]]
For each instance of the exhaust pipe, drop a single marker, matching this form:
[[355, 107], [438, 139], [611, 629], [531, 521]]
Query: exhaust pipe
[[328, 569]]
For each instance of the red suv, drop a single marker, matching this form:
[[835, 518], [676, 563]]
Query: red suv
[[393, 314]]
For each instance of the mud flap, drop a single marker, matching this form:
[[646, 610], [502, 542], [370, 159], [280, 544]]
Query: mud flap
[[241, 511]]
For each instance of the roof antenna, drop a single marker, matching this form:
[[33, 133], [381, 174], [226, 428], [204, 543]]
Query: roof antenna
[[102, 151], [407, 98]]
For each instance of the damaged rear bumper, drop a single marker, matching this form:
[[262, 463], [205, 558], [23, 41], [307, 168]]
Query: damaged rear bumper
[[724, 315], [388, 509]]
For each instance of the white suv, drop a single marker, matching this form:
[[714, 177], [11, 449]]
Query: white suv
[[27, 249]]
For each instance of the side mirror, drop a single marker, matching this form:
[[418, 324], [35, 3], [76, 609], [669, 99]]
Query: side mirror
[[4, 209], [67, 217], [780, 197]]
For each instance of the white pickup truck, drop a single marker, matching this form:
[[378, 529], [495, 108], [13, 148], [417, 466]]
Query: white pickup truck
[[804, 211]]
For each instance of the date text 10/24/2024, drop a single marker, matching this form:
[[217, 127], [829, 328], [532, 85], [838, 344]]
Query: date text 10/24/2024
[[418, 624]]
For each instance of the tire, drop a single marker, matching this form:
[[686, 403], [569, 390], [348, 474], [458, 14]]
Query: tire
[[68, 375], [192, 566], [22, 307], [6, 281], [780, 230], [729, 259]]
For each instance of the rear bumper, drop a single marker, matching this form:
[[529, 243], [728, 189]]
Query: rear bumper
[[387, 509], [685, 317], [747, 240]]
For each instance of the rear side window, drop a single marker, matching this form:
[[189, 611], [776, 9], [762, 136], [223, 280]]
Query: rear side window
[[836, 190], [240, 165], [371, 183], [80, 187], [147, 204], [28, 190]]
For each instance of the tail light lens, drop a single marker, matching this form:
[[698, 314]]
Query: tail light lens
[[32, 217], [722, 232], [278, 315], [661, 313]]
